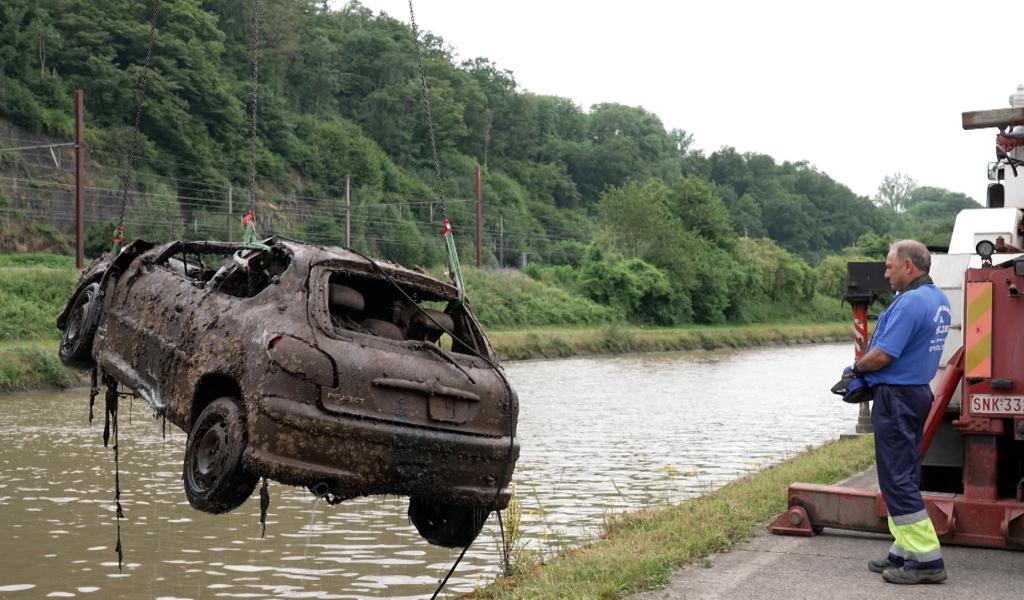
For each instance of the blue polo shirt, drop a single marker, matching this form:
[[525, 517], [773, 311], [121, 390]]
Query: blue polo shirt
[[912, 331]]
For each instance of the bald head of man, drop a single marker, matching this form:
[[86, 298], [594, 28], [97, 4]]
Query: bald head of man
[[907, 260]]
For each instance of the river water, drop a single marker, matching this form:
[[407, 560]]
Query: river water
[[599, 435]]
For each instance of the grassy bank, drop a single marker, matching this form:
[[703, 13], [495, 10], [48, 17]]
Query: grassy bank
[[640, 550], [34, 366], [33, 290], [555, 342]]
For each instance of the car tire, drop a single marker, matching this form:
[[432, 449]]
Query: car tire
[[215, 480], [80, 329], [446, 525]]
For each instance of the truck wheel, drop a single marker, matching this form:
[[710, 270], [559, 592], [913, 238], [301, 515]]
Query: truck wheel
[[215, 481], [80, 329], [446, 525]]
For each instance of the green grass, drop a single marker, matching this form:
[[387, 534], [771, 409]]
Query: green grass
[[33, 290], [52, 261], [639, 551], [31, 297]]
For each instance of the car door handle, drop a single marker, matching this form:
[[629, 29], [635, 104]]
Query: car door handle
[[430, 389]]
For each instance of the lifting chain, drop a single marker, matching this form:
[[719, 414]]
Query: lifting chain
[[453, 255], [133, 148], [249, 220], [446, 228]]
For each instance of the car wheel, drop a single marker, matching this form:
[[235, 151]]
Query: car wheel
[[215, 481], [80, 329], [446, 525]]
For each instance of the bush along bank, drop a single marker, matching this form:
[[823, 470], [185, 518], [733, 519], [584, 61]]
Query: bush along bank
[[640, 550]]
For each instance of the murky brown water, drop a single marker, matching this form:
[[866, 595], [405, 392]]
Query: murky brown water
[[598, 435]]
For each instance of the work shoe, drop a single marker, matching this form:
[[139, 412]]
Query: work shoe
[[905, 576], [881, 564]]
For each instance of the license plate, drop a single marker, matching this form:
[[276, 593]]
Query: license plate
[[991, 404]]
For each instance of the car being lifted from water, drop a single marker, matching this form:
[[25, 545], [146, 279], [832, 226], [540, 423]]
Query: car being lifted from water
[[308, 365]]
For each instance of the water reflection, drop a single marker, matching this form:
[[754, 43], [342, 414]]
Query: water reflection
[[598, 435]]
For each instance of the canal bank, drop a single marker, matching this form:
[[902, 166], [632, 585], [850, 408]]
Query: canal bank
[[640, 550], [33, 364], [563, 342]]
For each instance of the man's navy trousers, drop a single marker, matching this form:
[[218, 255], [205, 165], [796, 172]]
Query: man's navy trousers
[[898, 415]]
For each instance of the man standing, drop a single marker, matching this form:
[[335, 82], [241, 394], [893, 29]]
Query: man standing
[[901, 359]]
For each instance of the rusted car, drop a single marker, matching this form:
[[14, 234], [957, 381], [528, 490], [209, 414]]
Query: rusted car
[[309, 365]]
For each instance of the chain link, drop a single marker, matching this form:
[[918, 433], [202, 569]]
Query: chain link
[[438, 178], [254, 99], [133, 148]]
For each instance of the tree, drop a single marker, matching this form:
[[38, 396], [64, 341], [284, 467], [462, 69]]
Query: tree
[[637, 218], [696, 204], [746, 217], [894, 192]]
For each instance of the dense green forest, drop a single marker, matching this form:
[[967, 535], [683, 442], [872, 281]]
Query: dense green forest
[[604, 201]]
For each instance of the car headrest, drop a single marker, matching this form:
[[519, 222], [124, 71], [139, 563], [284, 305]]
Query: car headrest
[[427, 324], [383, 329], [346, 298]]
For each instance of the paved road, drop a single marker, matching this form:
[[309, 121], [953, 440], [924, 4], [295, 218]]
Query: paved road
[[834, 565]]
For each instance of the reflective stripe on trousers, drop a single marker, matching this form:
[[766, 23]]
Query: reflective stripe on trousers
[[916, 545]]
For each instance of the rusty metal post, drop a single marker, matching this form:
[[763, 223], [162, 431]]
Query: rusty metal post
[[231, 190], [348, 214], [479, 217], [860, 344], [79, 179]]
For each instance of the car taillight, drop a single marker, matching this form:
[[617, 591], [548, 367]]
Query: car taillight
[[301, 358]]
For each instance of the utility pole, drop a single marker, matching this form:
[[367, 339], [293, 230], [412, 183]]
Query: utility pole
[[231, 189], [348, 214], [79, 177], [501, 241], [479, 217]]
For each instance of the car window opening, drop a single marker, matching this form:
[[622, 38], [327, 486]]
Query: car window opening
[[261, 269], [373, 306], [220, 270]]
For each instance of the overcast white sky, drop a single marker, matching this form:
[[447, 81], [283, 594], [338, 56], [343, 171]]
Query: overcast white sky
[[858, 89]]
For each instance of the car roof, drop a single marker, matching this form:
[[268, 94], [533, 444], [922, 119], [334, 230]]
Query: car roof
[[343, 258], [333, 257]]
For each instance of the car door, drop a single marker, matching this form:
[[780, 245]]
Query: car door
[[153, 305]]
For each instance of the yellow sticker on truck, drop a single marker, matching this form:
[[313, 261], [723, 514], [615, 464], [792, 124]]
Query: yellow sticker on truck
[[978, 331], [993, 404]]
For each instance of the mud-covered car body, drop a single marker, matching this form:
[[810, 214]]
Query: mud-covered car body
[[340, 378]]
